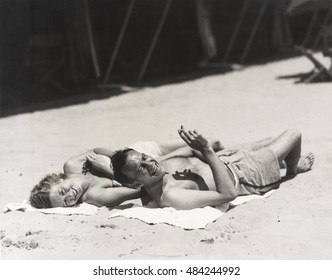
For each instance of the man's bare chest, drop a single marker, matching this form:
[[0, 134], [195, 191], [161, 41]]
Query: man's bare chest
[[188, 173]]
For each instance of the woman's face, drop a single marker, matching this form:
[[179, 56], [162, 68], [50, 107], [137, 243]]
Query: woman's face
[[66, 193]]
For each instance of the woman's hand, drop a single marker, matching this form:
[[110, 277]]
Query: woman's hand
[[99, 162]]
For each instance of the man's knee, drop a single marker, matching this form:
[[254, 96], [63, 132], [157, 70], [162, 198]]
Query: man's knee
[[295, 135], [285, 143]]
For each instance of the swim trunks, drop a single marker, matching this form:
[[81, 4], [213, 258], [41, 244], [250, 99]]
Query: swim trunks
[[257, 172]]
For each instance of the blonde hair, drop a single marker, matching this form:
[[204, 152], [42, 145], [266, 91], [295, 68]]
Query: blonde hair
[[40, 194]]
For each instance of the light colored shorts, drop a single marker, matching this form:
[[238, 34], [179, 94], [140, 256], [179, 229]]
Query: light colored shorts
[[257, 171]]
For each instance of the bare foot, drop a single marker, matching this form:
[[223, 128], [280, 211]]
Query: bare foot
[[305, 163], [217, 146]]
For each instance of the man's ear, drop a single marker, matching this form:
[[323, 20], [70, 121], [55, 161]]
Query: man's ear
[[134, 185]]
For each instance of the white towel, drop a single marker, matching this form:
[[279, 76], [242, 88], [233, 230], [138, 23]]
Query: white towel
[[187, 219], [81, 209], [245, 198]]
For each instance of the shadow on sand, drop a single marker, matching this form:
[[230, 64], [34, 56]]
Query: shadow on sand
[[49, 98]]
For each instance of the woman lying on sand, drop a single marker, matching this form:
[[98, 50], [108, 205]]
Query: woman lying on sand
[[89, 177]]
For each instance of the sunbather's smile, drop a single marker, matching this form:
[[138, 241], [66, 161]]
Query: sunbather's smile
[[75, 191], [142, 168], [153, 169]]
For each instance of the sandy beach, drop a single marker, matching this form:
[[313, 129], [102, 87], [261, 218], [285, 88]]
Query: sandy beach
[[295, 222]]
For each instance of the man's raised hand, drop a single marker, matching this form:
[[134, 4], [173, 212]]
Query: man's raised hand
[[194, 139]]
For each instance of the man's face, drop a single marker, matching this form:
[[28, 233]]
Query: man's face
[[143, 169], [66, 193]]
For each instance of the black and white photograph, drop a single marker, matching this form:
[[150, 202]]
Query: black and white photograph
[[166, 130]]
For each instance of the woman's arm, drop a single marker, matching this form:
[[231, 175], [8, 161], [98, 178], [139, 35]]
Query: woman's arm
[[105, 194], [103, 152], [77, 164]]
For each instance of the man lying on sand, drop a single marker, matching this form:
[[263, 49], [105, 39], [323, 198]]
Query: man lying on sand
[[198, 176], [88, 178]]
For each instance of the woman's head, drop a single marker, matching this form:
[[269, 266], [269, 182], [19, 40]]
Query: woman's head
[[56, 191], [40, 194]]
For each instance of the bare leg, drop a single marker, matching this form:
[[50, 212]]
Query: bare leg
[[256, 145], [304, 163], [253, 146], [216, 145], [287, 147]]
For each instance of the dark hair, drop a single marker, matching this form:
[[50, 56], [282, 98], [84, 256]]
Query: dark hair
[[119, 160], [40, 194]]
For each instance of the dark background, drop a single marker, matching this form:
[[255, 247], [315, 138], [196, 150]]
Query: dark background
[[45, 52]]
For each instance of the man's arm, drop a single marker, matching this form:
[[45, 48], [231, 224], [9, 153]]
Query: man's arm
[[186, 199], [104, 194], [183, 152], [223, 181], [180, 152], [172, 145]]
